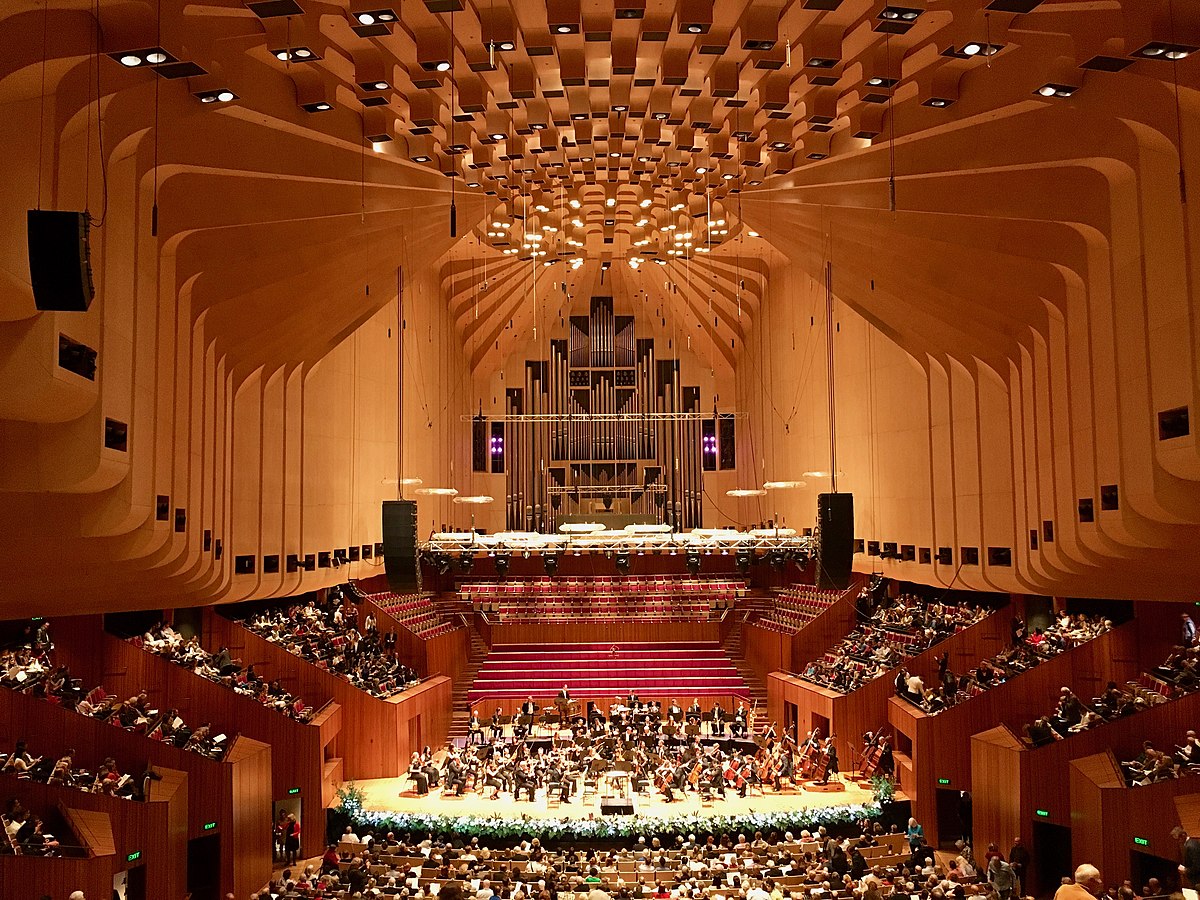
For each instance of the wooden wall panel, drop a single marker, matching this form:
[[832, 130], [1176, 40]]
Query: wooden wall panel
[[157, 828], [210, 783], [766, 651], [248, 812], [937, 741], [1107, 815], [374, 737], [1037, 778], [865, 710], [298, 750]]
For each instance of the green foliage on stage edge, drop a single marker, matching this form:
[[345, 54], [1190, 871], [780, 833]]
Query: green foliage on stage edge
[[883, 789], [546, 828], [350, 800]]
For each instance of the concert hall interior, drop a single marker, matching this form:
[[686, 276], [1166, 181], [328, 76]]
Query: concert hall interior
[[599, 449]]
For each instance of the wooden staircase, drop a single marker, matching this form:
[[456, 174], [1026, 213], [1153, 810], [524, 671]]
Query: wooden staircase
[[735, 649], [461, 712]]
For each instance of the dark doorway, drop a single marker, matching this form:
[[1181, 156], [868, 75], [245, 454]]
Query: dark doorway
[[204, 867], [1144, 866], [135, 883], [953, 817], [791, 718], [1051, 854]]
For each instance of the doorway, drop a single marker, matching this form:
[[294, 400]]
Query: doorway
[[1051, 853], [204, 867]]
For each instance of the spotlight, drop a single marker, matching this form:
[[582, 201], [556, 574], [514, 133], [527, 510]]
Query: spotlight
[[1160, 50], [150, 56], [318, 106], [443, 66], [622, 561], [938, 102], [221, 96], [496, 136], [881, 82], [294, 54], [550, 563], [693, 562], [502, 563], [1056, 90], [466, 561], [743, 560], [620, 107]]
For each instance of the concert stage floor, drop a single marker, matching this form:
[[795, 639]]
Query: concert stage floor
[[395, 795]]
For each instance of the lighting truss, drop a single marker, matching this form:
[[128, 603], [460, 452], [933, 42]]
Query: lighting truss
[[763, 540], [604, 417], [600, 491]]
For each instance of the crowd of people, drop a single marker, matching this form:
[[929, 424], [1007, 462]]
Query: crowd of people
[[328, 634], [25, 833], [1174, 677], [30, 669], [896, 629], [818, 864], [61, 769], [221, 669], [1029, 649], [1153, 765]]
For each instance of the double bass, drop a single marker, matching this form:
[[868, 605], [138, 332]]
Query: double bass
[[808, 753], [872, 753]]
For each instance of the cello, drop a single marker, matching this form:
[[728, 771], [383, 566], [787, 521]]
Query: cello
[[872, 752]]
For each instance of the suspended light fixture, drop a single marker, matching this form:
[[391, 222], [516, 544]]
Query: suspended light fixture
[[782, 485], [437, 492], [475, 499], [746, 492], [402, 482], [817, 473]]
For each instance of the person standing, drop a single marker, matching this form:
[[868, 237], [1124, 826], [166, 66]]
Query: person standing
[[1019, 859], [1189, 869], [1002, 878], [1188, 630]]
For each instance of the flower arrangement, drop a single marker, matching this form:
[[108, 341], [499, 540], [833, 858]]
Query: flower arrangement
[[883, 788], [350, 800], [605, 827]]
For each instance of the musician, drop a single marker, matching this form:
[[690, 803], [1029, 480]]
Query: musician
[[674, 712], [831, 765], [694, 713], [529, 708], [524, 780], [769, 733], [632, 700], [496, 726], [738, 727], [718, 719], [416, 772], [430, 770], [564, 694], [454, 776], [556, 774], [716, 779], [475, 728], [887, 761], [786, 767]]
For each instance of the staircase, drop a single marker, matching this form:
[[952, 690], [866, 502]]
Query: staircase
[[460, 710], [735, 650]]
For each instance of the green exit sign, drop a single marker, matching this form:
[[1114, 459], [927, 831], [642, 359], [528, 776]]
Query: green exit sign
[[1141, 842], [943, 781], [209, 826], [293, 790], [134, 856], [1044, 813]]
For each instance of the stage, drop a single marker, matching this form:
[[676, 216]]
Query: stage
[[394, 795]]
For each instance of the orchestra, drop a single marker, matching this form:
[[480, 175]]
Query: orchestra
[[637, 746]]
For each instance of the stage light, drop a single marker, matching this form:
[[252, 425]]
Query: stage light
[[622, 562], [466, 561], [149, 56], [222, 96], [1056, 90], [693, 562], [550, 563]]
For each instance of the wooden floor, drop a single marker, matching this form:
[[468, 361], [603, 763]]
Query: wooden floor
[[394, 795]]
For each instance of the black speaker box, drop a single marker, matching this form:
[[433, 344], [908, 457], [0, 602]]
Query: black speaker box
[[400, 545], [835, 541], [616, 806], [60, 264]]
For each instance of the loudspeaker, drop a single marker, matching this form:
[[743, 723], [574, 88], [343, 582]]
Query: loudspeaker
[[60, 264], [835, 540], [400, 545], [616, 806]]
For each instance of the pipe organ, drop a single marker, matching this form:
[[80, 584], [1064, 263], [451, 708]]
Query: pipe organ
[[597, 429]]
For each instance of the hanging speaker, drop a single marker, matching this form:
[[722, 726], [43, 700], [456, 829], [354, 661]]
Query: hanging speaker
[[60, 264], [400, 545], [835, 540]]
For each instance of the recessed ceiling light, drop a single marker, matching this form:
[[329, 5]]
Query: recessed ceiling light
[[496, 136], [443, 66], [620, 108], [506, 45], [563, 29], [130, 60], [366, 18], [381, 85], [614, 154], [1161, 50], [421, 159], [302, 53]]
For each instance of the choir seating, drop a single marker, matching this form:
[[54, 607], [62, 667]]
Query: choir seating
[[602, 598], [416, 612], [795, 607], [604, 671]]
